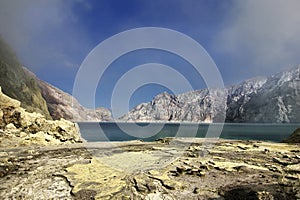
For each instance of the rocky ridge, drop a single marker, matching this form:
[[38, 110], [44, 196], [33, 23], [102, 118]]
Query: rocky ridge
[[38, 96], [201, 105], [19, 127], [260, 100], [63, 105], [16, 84], [277, 100]]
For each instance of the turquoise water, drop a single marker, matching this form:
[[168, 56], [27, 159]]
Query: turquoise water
[[110, 131]]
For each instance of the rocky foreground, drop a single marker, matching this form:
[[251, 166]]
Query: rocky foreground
[[165, 169], [44, 159]]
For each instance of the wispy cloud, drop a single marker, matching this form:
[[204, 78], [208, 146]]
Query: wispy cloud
[[244, 37], [41, 31], [263, 36]]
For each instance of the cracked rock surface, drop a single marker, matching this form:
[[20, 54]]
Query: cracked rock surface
[[165, 169]]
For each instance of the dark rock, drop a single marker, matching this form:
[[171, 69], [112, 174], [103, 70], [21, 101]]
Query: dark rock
[[196, 190], [282, 162], [180, 169], [164, 140], [256, 192], [193, 154], [242, 148], [266, 151], [294, 137], [85, 194]]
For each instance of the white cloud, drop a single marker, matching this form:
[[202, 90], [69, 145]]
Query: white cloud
[[41, 31], [262, 34]]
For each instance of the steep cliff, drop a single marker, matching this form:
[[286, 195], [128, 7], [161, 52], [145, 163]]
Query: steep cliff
[[17, 85], [278, 100], [38, 96], [201, 105], [63, 105], [239, 95], [274, 99]]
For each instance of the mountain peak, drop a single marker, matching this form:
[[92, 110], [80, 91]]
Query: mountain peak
[[273, 99]]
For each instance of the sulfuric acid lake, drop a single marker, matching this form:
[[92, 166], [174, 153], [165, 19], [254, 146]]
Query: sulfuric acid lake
[[125, 131]]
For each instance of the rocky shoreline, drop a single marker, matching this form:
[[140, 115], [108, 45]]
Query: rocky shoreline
[[41, 158], [165, 169], [46, 159]]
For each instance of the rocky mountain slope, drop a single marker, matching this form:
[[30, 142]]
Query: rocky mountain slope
[[272, 99], [277, 100], [192, 106], [64, 105], [36, 95], [17, 85]]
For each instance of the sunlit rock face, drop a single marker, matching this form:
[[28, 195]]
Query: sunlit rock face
[[63, 105], [19, 127], [274, 99], [196, 106]]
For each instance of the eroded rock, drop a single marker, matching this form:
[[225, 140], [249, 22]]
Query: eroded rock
[[136, 170], [23, 128]]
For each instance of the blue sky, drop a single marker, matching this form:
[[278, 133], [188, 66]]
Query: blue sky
[[245, 38]]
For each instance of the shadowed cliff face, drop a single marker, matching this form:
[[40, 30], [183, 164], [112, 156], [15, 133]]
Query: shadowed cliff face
[[294, 137], [260, 100], [16, 84], [277, 100]]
